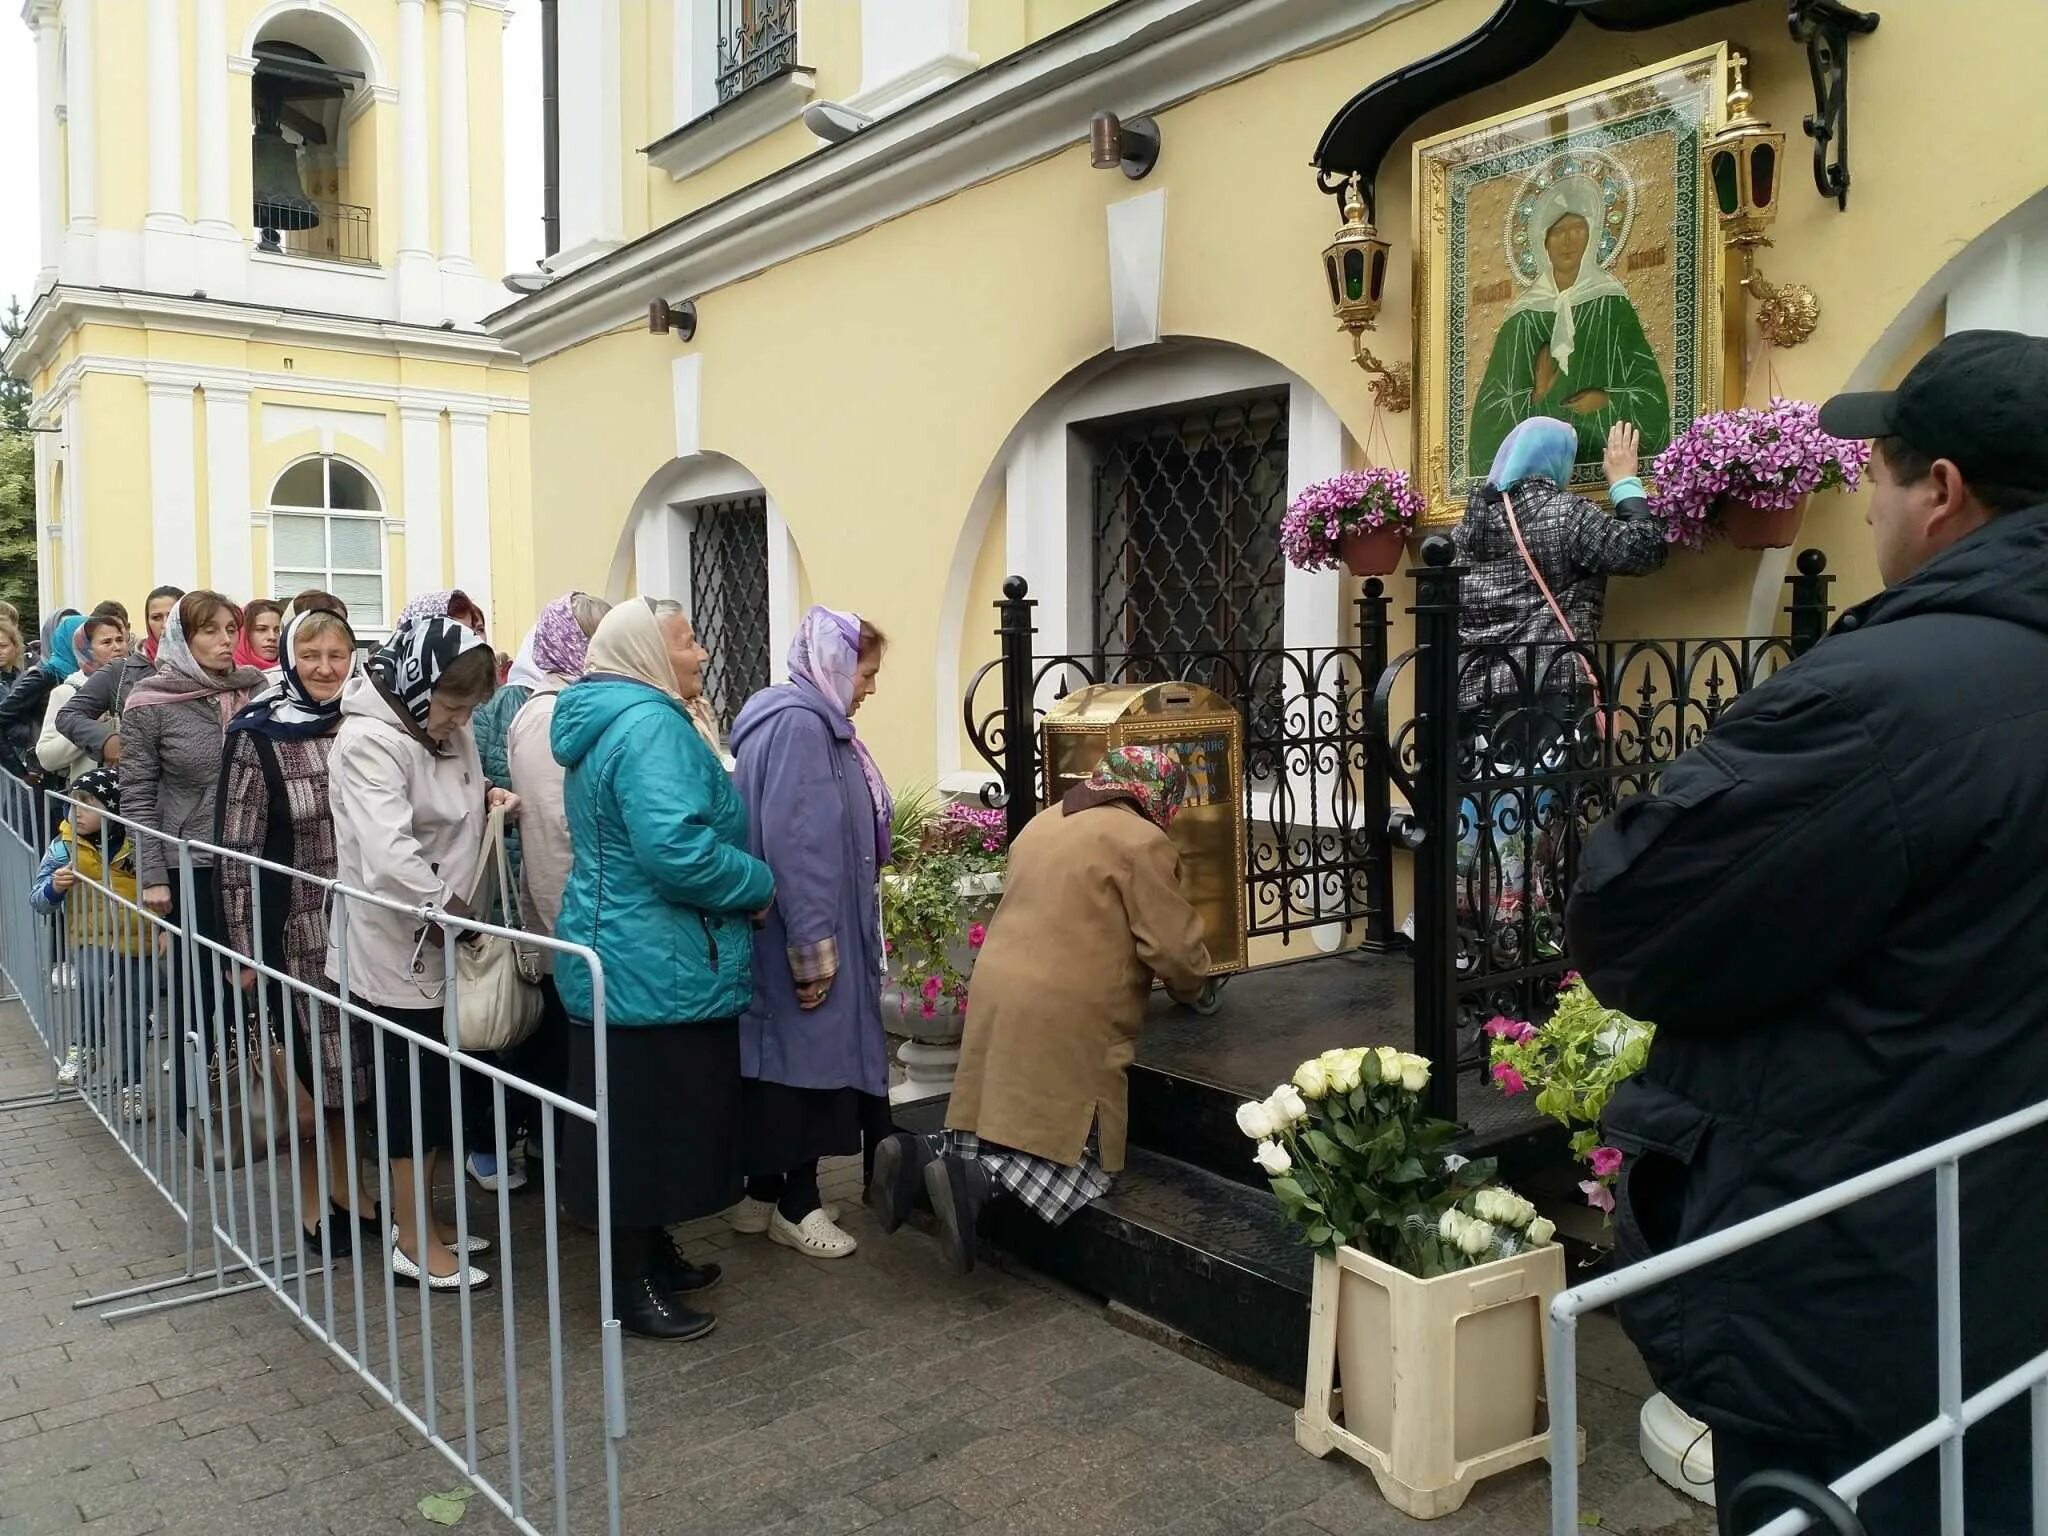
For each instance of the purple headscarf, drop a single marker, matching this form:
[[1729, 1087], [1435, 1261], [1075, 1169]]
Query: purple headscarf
[[826, 655], [558, 644]]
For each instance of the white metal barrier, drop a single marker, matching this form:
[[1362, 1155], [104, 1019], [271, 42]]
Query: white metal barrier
[[192, 1054], [1955, 1412]]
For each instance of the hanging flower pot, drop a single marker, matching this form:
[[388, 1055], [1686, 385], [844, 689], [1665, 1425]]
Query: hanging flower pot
[[1361, 517], [1373, 551], [1751, 527]]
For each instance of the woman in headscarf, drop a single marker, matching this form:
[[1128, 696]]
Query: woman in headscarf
[[662, 888], [1038, 1108], [1571, 345], [257, 645], [273, 805], [550, 659], [10, 652], [172, 734], [813, 1054], [410, 804], [21, 712], [100, 642], [449, 603]]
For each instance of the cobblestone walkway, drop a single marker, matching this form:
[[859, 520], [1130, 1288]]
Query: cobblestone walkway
[[876, 1395]]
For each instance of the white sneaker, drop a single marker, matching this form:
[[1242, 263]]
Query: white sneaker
[[483, 1167], [63, 976], [408, 1273], [815, 1235], [750, 1217], [74, 1062], [134, 1105]]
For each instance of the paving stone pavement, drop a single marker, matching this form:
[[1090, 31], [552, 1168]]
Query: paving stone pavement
[[876, 1394]]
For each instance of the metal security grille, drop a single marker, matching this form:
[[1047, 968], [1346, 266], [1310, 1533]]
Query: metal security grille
[[729, 600], [1187, 519], [756, 42]]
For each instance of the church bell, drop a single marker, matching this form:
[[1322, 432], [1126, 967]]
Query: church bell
[[281, 201]]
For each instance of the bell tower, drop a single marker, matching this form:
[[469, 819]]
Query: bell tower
[[269, 231]]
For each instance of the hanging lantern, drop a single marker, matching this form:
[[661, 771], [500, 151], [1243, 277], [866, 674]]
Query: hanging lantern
[[1355, 262], [1743, 160]]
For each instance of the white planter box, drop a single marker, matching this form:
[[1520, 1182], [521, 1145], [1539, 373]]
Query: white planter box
[[1442, 1379]]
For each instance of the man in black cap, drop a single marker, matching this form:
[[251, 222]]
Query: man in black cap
[[1835, 910]]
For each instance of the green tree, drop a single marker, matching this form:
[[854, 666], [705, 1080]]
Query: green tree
[[17, 487]]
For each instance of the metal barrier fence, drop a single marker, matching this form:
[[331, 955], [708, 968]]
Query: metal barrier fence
[[209, 1065], [1955, 1413]]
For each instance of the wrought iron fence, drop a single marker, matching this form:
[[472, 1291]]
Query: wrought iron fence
[[1315, 795], [729, 599], [317, 228], [1509, 758], [756, 42]]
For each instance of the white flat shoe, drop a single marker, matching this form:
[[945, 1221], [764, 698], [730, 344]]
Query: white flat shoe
[[815, 1235], [473, 1245], [750, 1217], [408, 1273]]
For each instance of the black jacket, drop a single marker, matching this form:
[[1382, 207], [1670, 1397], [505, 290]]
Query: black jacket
[[21, 719], [1835, 910]]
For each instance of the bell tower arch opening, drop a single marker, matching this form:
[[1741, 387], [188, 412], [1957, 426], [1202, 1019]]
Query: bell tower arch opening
[[312, 155]]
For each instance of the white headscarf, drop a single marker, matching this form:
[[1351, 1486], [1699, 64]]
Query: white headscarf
[[629, 643], [1580, 195]]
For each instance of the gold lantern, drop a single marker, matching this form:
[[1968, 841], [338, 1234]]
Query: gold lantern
[[1355, 264], [1745, 159]]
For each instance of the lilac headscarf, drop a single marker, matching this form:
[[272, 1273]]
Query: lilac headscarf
[[826, 655], [558, 644]]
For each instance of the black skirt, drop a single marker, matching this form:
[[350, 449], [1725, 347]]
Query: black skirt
[[783, 1127], [674, 1103], [437, 1116]]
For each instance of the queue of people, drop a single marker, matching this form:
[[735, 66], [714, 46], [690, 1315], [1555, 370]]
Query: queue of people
[[732, 897]]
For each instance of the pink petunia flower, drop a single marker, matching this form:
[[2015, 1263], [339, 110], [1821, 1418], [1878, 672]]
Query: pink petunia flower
[[1567, 979], [928, 1010], [1597, 1195], [1605, 1161], [932, 988], [977, 936], [1499, 1025], [1520, 1030], [1508, 1079]]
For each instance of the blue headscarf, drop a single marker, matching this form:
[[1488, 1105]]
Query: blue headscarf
[[60, 656], [1541, 448]]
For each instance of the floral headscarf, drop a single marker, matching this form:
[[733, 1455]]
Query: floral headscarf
[[1153, 778], [826, 656], [558, 644], [288, 712], [449, 603], [179, 677], [414, 659]]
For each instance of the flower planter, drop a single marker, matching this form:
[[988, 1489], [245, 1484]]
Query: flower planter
[[1373, 551], [930, 1050], [1751, 527], [1678, 1448], [1442, 1380]]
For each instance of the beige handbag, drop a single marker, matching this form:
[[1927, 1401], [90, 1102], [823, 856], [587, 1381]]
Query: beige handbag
[[497, 999]]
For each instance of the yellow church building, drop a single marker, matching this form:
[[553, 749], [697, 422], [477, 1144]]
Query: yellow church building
[[269, 229]]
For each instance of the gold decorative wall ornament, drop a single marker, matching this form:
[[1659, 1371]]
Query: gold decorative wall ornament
[[1355, 263], [1744, 159]]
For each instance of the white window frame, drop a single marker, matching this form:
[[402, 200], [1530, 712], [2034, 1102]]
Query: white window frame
[[328, 514]]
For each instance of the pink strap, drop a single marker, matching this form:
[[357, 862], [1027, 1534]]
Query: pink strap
[[1557, 613]]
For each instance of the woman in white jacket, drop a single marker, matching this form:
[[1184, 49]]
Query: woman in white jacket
[[102, 640], [410, 802]]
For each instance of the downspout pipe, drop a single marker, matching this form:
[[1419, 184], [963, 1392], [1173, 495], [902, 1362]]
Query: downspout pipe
[[551, 128]]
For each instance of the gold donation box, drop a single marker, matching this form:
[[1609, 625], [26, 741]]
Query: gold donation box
[[1208, 733]]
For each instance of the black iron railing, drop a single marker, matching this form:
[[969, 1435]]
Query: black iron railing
[[317, 228], [729, 600], [1315, 797], [756, 42], [1509, 757]]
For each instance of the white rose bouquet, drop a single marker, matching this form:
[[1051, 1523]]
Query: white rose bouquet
[[1356, 1161]]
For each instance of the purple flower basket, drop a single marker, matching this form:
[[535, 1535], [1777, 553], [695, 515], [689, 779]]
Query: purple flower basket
[[1770, 459], [1357, 501]]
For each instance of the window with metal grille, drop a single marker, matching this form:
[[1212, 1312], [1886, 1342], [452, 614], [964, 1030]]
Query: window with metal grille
[[327, 531], [1187, 506], [729, 600], [756, 42]]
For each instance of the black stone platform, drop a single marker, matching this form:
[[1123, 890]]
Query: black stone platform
[[1191, 1236]]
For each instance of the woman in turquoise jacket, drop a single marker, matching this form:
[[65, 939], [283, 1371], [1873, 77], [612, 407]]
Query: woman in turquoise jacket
[[663, 889]]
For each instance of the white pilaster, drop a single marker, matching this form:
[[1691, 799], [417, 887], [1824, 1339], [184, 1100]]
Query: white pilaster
[[47, 455], [49, 145], [593, 163], [2003, 285], [783, 609], [418, 283], [420, 468], [455, 134], [173, 498], [166, 253], [661, 552], [81, 179], [686, 385], [210, 137], [1137, 268], [469, 462], [908, 49], [72, 512], [693, 84], [229, 495]]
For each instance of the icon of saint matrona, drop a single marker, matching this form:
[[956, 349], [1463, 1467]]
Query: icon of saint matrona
[[1571, 345]]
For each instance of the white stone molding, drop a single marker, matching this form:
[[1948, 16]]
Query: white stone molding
[[908, 49], [278, 422], [211, 136], [732, 125], [229, 496], [1137, 268], [419, 436], [469, 479], [592, 157], [80, 263], [455, 134], [686, 376], [418, 282], [173, 489], [49, 144], [332, 14]]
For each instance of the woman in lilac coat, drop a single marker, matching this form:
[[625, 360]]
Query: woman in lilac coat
[[813, 1056]]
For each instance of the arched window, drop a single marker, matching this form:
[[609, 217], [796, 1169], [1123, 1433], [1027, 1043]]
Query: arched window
[[327, 531]]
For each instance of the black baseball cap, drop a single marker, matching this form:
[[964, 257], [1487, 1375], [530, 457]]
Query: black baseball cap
[[1978, 399]]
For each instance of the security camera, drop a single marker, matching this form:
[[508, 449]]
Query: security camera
[[523, 283], [834, 123]]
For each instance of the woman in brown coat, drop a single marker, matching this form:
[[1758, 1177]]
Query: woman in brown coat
[[1038, 1108]]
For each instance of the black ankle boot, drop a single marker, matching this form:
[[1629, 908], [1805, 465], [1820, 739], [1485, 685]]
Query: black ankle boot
[[676, 1272], [649, 1308], [959, 1188], [898, 1177]]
